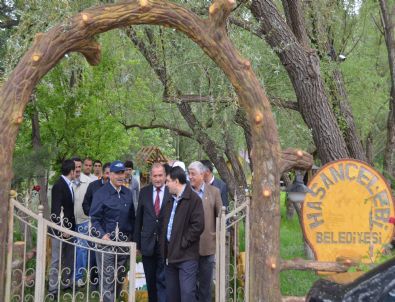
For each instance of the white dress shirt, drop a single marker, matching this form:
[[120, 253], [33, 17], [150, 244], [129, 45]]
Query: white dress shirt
[[69, 183], [161, 194]]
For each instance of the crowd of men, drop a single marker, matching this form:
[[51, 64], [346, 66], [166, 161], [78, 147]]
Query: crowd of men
[[172, 220]]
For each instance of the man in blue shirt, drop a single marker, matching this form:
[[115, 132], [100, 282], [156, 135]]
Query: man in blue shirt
[[112, 216]]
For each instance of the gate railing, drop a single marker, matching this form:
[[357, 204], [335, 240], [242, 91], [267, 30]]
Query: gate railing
[[26, 278], [232, 265]]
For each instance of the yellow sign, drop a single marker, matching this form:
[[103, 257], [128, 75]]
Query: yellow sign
[[348, 214]]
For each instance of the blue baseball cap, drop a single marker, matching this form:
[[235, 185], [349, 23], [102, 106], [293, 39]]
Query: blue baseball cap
[[117, 166]]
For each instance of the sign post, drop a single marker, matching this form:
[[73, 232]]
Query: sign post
[[348, 213]]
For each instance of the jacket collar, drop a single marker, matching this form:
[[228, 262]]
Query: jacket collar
[[187, 192], [112, 189]]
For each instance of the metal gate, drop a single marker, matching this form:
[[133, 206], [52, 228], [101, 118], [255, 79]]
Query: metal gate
[[232, 265], [27, 268]]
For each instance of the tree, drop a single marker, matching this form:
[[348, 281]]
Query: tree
[[322, 33], [302, 65], [387, 17]]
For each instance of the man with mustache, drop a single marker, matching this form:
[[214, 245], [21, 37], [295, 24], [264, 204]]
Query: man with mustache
[[112, 207]]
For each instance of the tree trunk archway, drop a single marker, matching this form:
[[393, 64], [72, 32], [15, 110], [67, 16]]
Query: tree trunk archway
[[77, 35]]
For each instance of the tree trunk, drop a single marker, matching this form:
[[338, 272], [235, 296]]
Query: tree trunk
[[210, 34], [37, 147], [241, 120], [353, 142], [302, 65], [389, 152], [369, 148], [322, 39]]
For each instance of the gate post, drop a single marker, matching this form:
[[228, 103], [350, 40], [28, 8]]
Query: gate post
[[39, 293], [222, 256], [217, 255], [10, 242], [247, 252], [132, 273]]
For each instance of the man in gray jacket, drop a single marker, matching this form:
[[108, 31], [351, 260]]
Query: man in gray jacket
[[80, 185], [212, 204], [131, 182]]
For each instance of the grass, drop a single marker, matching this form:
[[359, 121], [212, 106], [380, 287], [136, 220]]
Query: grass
[[293, 283]]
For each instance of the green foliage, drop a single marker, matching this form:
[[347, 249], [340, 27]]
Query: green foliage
[[293, 283]]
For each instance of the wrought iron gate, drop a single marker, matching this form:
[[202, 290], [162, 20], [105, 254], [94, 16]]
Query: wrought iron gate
[[27, 273], [232, 265]]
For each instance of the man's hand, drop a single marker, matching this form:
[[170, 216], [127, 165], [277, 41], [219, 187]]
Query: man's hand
[[106, 237], [65, 235]]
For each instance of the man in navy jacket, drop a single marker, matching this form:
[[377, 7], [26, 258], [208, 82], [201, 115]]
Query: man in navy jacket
[[112, 217], [95, 186], [216, 182]]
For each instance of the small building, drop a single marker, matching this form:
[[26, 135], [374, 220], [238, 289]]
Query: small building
[[144, 159]]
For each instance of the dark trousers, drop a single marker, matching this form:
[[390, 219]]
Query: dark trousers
[[62, 263], [112, 273], [155, 276], [94, 274], [181, 281], [205, 278]]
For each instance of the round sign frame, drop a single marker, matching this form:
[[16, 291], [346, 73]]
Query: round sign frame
[[339, 225]]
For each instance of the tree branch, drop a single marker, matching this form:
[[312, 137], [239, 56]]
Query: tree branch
[[191, 98], [246, 25], [91, 50], [293, 299], [219, 12], [312, 265], [279, 102], [158, 126], [295, 20], [295, 159], [8, 23]]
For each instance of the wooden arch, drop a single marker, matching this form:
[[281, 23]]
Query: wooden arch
[[77, 35]]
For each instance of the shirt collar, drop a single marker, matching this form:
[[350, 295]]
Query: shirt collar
[[117, 190], [84, 178], [182, 192], [212, 180], [68, 181], [162, 188], [201, 190]]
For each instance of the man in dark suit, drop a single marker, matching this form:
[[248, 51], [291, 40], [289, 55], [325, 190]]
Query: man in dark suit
[[216, 182], [183, 223], [62, 204], [149, 215], [86, 206]]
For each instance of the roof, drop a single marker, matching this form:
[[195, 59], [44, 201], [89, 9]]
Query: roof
[[149, 155]]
